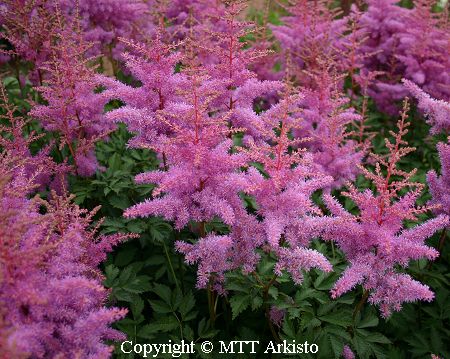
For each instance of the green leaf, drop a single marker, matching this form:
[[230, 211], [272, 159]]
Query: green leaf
[[341, 318], [239, 303], [377, 338], [163, 292], [257, 302], [139, 285], [368, 322], [187, 304], [165, 324], [160, 307]]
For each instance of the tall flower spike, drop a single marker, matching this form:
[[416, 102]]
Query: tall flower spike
[[74, 109], [284, 198], [200, 180], [153, 65], [230, 66], [326, 119], [311, 32], [104, 22], [375, 241]]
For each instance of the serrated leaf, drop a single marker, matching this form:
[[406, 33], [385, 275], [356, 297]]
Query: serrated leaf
[[160, 307], [163, 292], [377, 338], [239, 303], [187, 304], [341, 318], [165, 324], [368, 322]]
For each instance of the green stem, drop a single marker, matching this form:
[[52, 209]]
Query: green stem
[[442, 240], [171, 267], [360, 305], [211, 302], [267, 307]]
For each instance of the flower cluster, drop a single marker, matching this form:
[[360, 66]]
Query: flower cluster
[[375, 241], [74, 107], [418, 53], [49, 242]]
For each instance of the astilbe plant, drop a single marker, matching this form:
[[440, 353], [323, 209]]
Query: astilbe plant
[[153, 65], [418, 53], [375, 241], [311, 31], [73, 106], [282, 195], [28, 25], [197, 184], [283, 191], [53, 243], [230, 66], [326, 120]]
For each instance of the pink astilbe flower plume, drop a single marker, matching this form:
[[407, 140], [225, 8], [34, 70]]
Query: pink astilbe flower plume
[[212, 254], [418, 53], [326, 120], [347, 353], [104, 21], [153, 65], [200, 182], [284, 197], [311, 32], [73, 108], [65, 317], [375, 241], [231, 62], [283, 194]]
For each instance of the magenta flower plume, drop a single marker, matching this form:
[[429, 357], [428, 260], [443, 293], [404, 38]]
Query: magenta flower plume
[[200, 182], [418, 53], [283, 198], [326, 120], [104, 22], [212, 254], [153, 65], [66, 317], [311, 32], [375, 242], [283, 192], [74, 110], [347, 353], [230, 66]]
